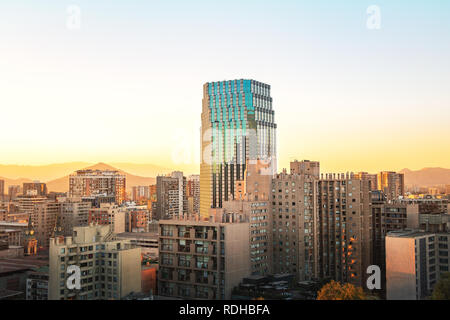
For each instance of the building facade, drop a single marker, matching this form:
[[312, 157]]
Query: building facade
[[202, 259], [95, 182], [238, 124], [110, 269], [415, 261]]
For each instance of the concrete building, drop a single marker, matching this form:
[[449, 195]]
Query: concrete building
[[37, 285], [392, 184], [110, 269], [386, 217], [137, 218], [202, 259], [13, 192], [140, 194], [373, 178], [252, 200], [108, 214], [237, 125], [2, 190], [74, 213], [35, 189], [11, 236], [193, 194], [344, 228], [306, 167], [43, 214], [414, 262], [295, 221], [171, 196], [94, 182], [147, 241]]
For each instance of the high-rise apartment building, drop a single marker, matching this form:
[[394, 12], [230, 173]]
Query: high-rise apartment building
[[42, 213], [74, 213], [94, 182], [110, 269], [171, 196], [13, 192], [108, 214], [202, 259], [386, 217], [294, 216], [344, 228], [140, 193], [415, 260], [35, 189], [306, 167], [373, 178], [252, 200], [392, 184], [2, 189], [193, 193], [238, 125]]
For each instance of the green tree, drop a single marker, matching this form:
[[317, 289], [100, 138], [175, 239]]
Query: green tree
[[442, 288], [336, 291]]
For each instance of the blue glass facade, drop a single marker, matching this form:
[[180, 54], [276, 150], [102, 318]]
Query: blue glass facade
[[237, 125]]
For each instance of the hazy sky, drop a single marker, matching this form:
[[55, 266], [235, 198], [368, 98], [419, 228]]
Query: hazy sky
[[127, 86]]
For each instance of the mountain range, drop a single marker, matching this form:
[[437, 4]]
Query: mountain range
[[61, 184], [427, 177], [57, 175]]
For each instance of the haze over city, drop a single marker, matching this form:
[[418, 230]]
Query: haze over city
[[127, 86]]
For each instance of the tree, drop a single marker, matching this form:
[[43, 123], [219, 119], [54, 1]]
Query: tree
[[336, 291], [442, 288]]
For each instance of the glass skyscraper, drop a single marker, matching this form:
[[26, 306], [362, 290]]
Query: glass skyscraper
[[238, 126]]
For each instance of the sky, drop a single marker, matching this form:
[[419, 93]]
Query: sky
[[126, 86]]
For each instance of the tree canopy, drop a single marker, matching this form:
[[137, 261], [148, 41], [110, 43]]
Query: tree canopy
[[337, 291], [442, 288]]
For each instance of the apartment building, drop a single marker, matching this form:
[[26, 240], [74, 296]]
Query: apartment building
[[193, 194], [392, 184], [252, 199], [294, 217], [110, 269], [37, 285], [2, 189], [171, 196], [203, 259], [74, 213], [93, 182], [140, 193], [415, 261], [35, 189], [344, 228], [108, 214], [305, 167], [137, 218], [44, 215], [13, 192], [386, 217], [373, 178]]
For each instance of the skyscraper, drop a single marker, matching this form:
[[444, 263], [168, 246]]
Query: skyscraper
[[238, 125]]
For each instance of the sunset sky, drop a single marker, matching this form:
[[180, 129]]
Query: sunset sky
[[127, 86]]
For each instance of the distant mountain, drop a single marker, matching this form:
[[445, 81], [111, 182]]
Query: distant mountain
[[62, 184], [144, 170], [427, 177]]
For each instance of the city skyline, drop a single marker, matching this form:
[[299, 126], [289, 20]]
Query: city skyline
[[116, 76]]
